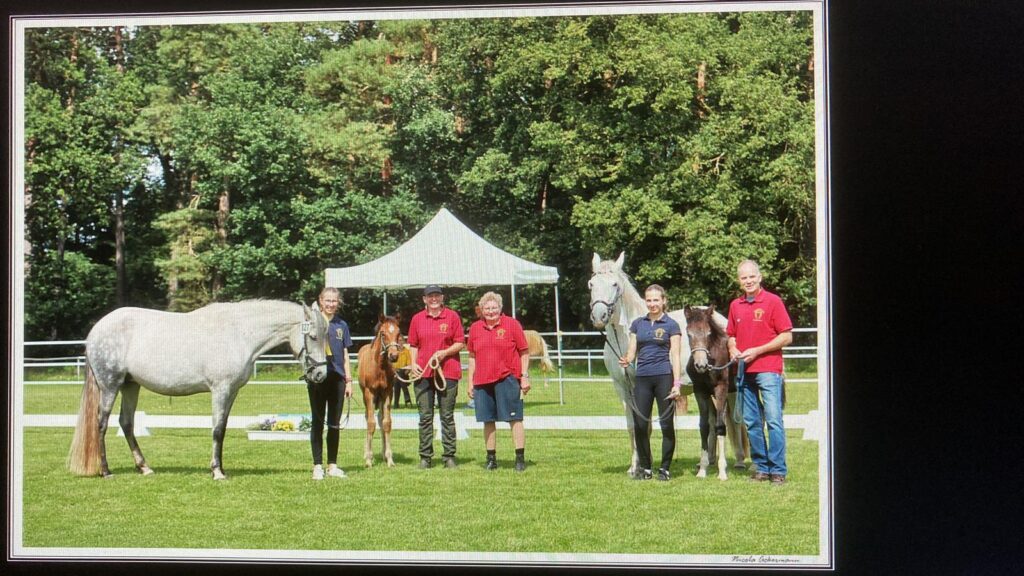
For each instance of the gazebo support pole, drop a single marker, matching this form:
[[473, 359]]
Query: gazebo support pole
[[513, 300], [558, 339]]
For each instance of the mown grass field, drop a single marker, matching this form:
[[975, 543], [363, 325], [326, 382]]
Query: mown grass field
[[575, 497]]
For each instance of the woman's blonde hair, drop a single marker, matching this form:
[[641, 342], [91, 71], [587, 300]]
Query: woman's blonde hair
[[331, 290]]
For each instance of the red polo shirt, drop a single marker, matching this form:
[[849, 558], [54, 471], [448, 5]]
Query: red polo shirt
[[496, 350], [757, 323], [428, 334]]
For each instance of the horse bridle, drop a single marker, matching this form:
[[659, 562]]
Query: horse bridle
[[308, 364], [610, 305], [383, 346]]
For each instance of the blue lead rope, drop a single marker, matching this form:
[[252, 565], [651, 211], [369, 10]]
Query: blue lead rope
[[737, 409]]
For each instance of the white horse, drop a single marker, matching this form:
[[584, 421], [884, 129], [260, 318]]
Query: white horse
[[211, 349], [614, 304]]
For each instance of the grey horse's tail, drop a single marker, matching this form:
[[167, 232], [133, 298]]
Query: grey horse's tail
[[84, 456]]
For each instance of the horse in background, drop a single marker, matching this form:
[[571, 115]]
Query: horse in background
[[212, 349], [376, 379], [539, 349], [614, 304], [714, 385]]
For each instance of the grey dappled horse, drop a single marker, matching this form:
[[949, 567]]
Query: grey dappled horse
[[211, 349], [614, 304]]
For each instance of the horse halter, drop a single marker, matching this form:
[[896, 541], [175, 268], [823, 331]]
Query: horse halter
[[708, 352]]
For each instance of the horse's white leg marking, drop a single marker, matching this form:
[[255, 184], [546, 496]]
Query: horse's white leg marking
[[385, 427], [720, 441]]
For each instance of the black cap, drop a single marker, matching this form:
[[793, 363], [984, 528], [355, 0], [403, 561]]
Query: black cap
[[432, 289]]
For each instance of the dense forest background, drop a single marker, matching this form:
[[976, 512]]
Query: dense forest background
[[172, 166]]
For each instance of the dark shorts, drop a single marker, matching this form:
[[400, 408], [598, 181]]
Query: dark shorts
[[498, 402]]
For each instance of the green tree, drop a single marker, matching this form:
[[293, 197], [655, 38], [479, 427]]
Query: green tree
[[79, 161]]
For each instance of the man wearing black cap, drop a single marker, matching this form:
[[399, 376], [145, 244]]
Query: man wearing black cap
[[435, 339]]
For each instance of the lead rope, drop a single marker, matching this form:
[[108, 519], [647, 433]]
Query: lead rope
[[437, 377]]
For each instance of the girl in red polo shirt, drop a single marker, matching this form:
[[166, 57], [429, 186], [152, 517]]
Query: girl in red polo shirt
[[498, 358]]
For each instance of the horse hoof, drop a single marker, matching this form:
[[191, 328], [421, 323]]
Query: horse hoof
[[391, 464], [218, 475], [723, 477], [146, 471], [702, 473]]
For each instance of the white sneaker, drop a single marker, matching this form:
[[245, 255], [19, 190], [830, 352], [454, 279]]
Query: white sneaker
[[318, 472], [335, 472]]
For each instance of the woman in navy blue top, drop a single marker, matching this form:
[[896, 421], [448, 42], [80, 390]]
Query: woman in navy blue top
[[654, 342], [327, 398]]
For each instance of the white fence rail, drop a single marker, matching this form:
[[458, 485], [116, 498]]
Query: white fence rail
[[588, 355]]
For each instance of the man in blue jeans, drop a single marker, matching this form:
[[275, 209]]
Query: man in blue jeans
[[759, 327]]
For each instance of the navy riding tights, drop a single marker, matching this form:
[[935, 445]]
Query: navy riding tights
[[326, 397], [649, 389]]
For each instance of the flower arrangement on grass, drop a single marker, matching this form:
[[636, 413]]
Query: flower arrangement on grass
[[283, 425]]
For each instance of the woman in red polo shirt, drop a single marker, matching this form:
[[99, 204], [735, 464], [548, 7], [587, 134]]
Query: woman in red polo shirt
[[498, 359]]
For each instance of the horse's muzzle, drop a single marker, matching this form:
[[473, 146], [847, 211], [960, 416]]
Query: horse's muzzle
[[599, 314], [316, 374]]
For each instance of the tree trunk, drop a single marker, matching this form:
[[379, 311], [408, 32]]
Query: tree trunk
[[223, 211], [701, 89], [119, 256], [73, 58], [30, 155], [119, 262]]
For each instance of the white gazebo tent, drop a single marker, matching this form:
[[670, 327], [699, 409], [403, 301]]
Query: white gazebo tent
[[447, 253]]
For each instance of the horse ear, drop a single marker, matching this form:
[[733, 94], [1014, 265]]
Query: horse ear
[[711, 309], [306, 312], [596, 262], [380, 318], [621, 260]]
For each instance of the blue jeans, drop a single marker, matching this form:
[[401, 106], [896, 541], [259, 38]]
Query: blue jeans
[[762, 408]]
